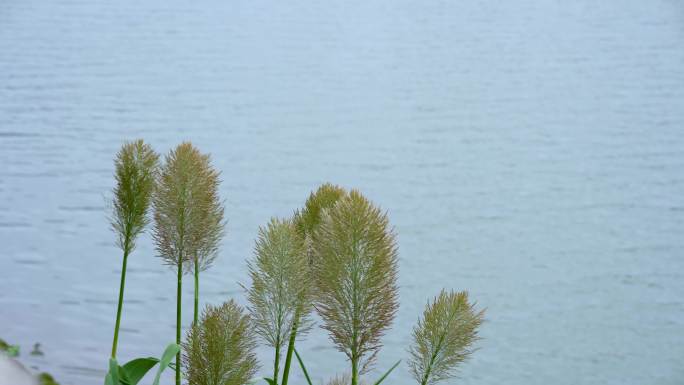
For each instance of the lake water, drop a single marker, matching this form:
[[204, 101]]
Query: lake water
[[531, 152]]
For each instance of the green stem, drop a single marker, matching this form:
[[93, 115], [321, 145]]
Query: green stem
[[196, 292], [433, 358], [178, 321], [427, 374], [355, 318], [290, 349], [276, 363], [442, 336], [355, 371], [121, 294]]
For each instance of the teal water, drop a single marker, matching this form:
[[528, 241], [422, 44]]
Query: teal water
[[529, 151]]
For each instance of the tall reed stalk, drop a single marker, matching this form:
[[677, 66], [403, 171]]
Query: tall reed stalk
[[184, 232], [135, 168], [355, 266], [279, 294]]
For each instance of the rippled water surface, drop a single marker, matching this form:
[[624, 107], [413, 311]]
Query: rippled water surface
[[529, 151]]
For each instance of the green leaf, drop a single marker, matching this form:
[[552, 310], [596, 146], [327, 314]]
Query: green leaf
[[46, 379], [166, 358], [270, 381], [13, 350], [136, 369], [301, 365], [123, 378], [387, 374]]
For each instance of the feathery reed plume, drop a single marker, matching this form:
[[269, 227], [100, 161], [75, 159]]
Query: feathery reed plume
[[278, 296], [324, 198], [305, 221], [343, 379], [135, 166], [219, 349], [443, 337], [355, 272], [184, 197], [210, 220]]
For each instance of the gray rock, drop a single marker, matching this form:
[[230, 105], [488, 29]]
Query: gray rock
[[14, 373]]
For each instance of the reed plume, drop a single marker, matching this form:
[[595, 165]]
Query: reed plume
[[355, 273], [187, 218], [305, 221], [210, 220], [219, 349], [280, 279], [135, 169], [343, 379], [324, 198], [443, 338]]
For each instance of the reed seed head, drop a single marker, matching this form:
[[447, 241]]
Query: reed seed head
[[188, 215], [220, 349], [344, 379], [309, 217], [135, 173], [443, 338], [355, 272], [324, 198], [280, 280]]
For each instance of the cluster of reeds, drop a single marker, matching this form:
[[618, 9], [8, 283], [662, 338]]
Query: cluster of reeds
[[336, 256], [188, 226]]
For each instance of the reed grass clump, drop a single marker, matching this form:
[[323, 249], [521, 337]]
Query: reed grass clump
[[355, 270], [188, 218], [279, 294], [135, 171], [443, 337], [219, 348], [337, 256]]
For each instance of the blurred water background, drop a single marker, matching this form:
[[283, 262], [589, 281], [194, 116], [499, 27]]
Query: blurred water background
[[531, 152]]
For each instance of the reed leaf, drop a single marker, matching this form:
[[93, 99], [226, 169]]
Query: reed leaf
[[112, 377], [443, 338], [135, 172], [219, 349], [165, 360], [301, 365], [355, 273], [387, 373], [278, 296], [135, 370]]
